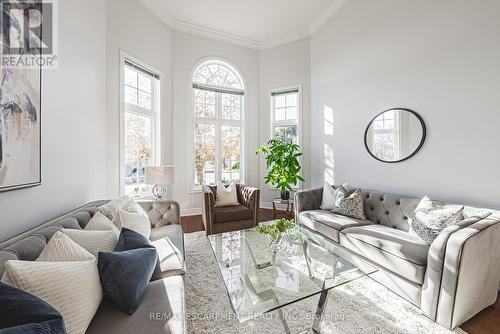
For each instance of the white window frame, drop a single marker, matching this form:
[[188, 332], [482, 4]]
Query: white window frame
[[297, 122], [154, 113], [395, 131], [217, 121]]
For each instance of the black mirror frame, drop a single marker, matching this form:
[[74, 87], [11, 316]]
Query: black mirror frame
[[424, 135]]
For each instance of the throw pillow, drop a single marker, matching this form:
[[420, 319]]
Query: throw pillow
[[431, 219], [137, 221], [93, 241], [130, 239], [72, 288], [226, 196], [125, 276], [61, 248], [329, 196], [24, 313], [350, 205], [100, 222], [111, 208]]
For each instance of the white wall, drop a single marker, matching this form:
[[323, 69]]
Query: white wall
[[135, 30], [188, 50], [440, 58], [73, 124], [283, 66]]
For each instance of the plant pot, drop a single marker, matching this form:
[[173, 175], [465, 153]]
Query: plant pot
[[285, 195]]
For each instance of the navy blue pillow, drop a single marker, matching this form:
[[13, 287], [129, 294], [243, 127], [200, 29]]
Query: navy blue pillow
[[22, 312], [131, 240], [125, 275]]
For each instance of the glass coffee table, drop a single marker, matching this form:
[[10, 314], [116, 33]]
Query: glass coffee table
[[262, 278]]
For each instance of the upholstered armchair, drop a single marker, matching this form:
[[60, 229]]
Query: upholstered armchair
[[222, 219]]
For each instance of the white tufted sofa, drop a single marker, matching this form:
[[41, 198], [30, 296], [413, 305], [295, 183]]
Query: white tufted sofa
[[451, 280]]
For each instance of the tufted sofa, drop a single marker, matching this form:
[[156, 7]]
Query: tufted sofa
[[162, 309], [451, 280]]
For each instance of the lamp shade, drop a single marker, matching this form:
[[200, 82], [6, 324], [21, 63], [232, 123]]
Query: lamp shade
[[160, 175]]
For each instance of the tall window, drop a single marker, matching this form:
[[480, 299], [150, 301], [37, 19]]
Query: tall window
[[217, 127], [139, 125], [285, 114]]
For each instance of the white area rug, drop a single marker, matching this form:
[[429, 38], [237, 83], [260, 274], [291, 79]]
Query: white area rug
[[363, 306]]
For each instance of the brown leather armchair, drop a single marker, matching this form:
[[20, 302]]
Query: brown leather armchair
[[230, 218]]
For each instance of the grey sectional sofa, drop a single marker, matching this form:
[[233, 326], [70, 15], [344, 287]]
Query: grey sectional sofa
[[451, 280], [162, 309]]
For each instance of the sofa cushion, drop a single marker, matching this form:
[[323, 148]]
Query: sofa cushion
[[328, 223], [24, 313], [401, 252], [173, 232], [160, 312], [232, 213], [170, 259]]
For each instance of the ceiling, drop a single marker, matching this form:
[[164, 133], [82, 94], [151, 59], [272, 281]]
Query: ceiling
[[258, 24]]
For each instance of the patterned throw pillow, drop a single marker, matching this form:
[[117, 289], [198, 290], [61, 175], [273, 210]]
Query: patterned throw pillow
[[100, 222], [431, 219], [330, 195], [350, 204]]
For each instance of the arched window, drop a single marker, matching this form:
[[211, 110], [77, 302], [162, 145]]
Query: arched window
[[217, 124]]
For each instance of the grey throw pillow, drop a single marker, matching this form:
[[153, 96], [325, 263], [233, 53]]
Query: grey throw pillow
[[431, 219], [350, 204]]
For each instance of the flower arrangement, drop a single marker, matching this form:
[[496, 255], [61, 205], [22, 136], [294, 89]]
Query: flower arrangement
[[276, 229]]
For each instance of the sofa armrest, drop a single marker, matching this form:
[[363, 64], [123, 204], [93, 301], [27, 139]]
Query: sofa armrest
[[471, 272], [161, 212], [435, 266], [306, 200], [208, 212], [250, 197]]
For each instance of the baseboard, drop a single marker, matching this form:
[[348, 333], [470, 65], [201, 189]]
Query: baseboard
[[190, 212]]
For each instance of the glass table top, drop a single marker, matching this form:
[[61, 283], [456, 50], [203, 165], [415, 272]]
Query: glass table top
[[261, 278]]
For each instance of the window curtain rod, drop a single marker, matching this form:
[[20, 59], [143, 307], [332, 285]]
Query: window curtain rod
[[141, 69], [218, 89]]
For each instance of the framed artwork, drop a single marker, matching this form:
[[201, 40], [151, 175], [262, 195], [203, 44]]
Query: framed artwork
[[20, 117]]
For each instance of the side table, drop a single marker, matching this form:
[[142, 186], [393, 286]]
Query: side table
[[288, 212]]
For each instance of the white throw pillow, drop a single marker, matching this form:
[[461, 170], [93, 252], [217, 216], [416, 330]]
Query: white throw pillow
[[133, 217], [329, 196], [61, 248], [94, 241], [100, 222], [226, 196], [111, 209], [72, 288], [431, 219]]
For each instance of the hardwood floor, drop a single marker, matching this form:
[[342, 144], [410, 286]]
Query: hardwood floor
[[486, 322]]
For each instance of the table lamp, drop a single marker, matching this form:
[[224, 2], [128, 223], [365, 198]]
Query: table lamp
[[159, 177]]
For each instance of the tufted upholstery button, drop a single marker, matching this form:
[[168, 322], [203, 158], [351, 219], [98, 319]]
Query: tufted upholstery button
[[367, 196], [372, 208], [378, 221], [387, 212], [398, 203], [381, 199], [405, 218]]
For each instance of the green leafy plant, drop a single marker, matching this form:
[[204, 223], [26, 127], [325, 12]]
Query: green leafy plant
[[277, 228], [282, 162]]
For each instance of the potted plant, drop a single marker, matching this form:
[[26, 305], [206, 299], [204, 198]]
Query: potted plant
[[275, 231], [282, 162]]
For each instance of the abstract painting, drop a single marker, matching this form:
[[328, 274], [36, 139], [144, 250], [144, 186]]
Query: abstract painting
[[20, 127]]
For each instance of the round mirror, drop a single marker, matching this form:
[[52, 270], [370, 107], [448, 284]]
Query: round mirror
[[395, 135]]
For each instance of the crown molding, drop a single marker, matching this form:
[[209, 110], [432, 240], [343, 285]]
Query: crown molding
[[331, 10], [284, 39], [199, 30], [157, 9]]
